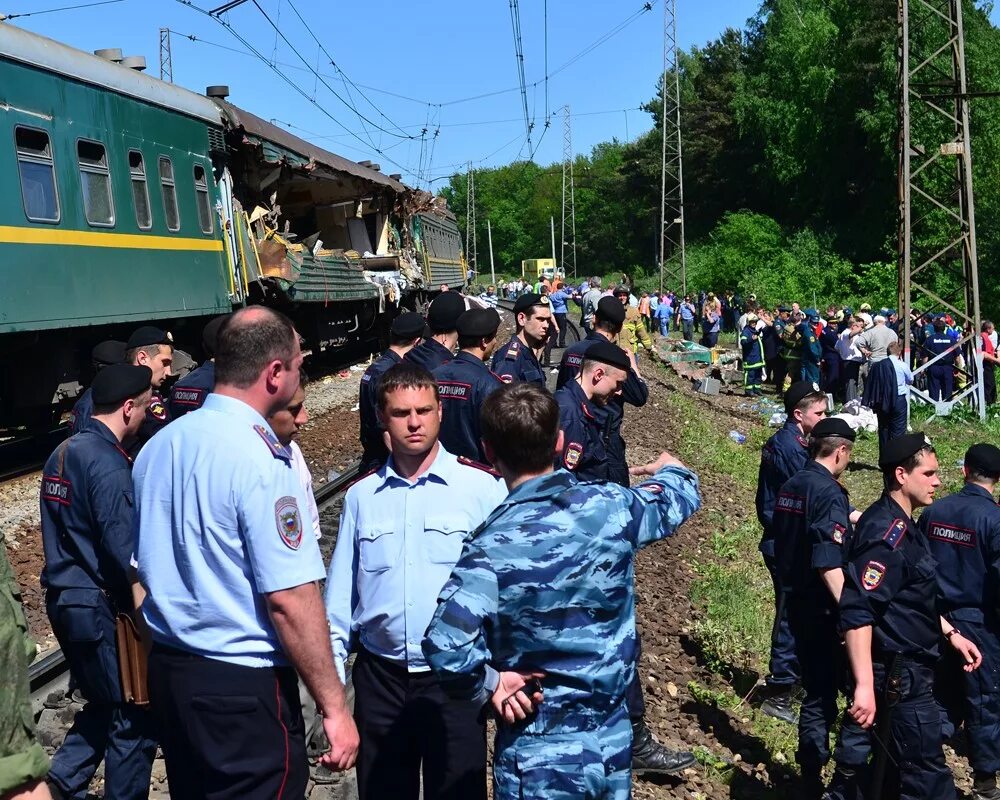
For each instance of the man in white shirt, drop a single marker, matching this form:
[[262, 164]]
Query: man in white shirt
[[852, 357], [286, 424]]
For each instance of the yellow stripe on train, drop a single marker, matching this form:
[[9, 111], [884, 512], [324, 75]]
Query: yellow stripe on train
[[12, 234]]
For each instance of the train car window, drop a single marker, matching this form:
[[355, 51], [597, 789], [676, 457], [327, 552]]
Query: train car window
[[169, 191], [140, 190], [95, 178], [201, 196], [37, 173]]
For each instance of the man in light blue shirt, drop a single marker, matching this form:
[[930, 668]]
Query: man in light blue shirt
[[402, 531], [229, 562]]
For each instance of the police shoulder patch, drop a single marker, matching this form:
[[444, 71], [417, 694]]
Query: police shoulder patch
[[156, 409], [289, 521], [895, 533], [872, 576], [801, 440], [512, 349], [278, 450], [838, 533], [573, 454], [506, 377], [468, 462], [57, 490]]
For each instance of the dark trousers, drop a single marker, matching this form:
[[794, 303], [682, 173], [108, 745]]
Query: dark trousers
[[990, 382], [634, 701], [561, 319], [832, 382], [940, 381], [229, 732], [784, 665], [688, 330], [809, 371], [105, 729], [408, 725], [852, 380], [778, 369], [892, 423]]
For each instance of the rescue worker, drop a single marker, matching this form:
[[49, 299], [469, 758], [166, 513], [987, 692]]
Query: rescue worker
[[23, 763], [190, 391], [542, 602], [404, 335], [439, 347], [791, 348], [608, 321], [103, 355], [888, 613], [941, 374], [87, 534], [518, 359], [812, 526], [402, 530], [465, 382], [634, 333], [753, 357], [963, 531], [151, 347], [783, 455], [234, 618], [812, 350]]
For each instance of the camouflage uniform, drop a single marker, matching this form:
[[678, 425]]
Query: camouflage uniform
[[546, 583], [22, 759]]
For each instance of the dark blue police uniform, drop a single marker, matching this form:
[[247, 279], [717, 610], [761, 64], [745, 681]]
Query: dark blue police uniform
[[515, 362], [374, 451], [831, 358], [463, 384], [157, 417], [940, 374], [429, 354], [963, 531], [585, 434], [891, 586], [783, 455], [83, 410], [812, 352], [190, 391], [87, 532]]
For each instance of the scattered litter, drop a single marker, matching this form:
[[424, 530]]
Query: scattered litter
[[356, 407], [332, 475], [859, 417], [737, 437], [359, 367], [778, 419], [960, 462]]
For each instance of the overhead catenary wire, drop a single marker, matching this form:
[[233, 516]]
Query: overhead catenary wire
[[515, 22], [5, 17]]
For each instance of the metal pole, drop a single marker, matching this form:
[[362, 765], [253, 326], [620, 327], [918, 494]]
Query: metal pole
[[489, 235], [552, 224], [663, 152]]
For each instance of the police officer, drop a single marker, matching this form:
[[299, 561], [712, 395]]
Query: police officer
[[812, 350], [963, 531], [465, 382], [190, 391], [832, 377], [753, 357], [439, 347], [783, 455], [888, 611], [231, 567], [940, 374], [151, 347], [582, 415], [87, 533], [404, 335], [103, 355], [608, 320], [812, 527], [402, 530], [516, 360], [542, 602]]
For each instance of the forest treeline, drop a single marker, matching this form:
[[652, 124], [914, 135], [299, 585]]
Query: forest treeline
[[790, 176]]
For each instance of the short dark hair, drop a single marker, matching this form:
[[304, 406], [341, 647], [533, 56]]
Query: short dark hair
[[889, 473], [825, 446], [398, 341], [151, 350], [250, 340], [111, 408], [810, 399], [979, 476], [465, 342], [520, 422], [404, 376], [614, 328]]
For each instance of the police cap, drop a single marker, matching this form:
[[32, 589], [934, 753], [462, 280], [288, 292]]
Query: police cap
[[797, 392], [210, 335], [607, 353], [480, 323], [444, 312], [117, 382], [811, 313], [984, 459], [784, 309], [148, 335], [526, 301], [610, 309], [833, 426], [896, 451], [107, 353], [408, 325]]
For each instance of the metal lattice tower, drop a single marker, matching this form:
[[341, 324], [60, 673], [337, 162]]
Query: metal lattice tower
[[673, 261], [166, 59], [567, 252], [470, 220], [938, 267]]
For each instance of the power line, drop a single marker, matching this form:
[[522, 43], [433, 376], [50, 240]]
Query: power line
[[515, 23], [60, 8]]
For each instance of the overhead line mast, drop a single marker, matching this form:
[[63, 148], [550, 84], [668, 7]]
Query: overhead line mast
[[673, 260], [567, 263]]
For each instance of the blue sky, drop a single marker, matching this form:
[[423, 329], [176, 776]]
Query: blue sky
[[433, 52]]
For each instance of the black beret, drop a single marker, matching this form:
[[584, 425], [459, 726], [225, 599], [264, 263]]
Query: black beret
[[983, 458], [479, 322], [444, 312], [608, 353], [526, 301], [833, 426], [148, 335], [107, 353], [896, 451], [408, 325], [117, 382], [797, 392], [210, 335], [783, 308], [610, 309]]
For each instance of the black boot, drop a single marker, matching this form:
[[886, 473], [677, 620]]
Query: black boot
[[984, 786], [843, 785], [779, 705], [648, 755]]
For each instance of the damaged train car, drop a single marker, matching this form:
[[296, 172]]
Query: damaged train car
[[142, 202]]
